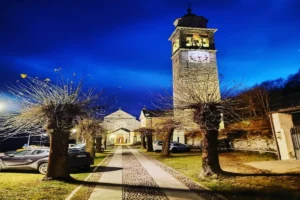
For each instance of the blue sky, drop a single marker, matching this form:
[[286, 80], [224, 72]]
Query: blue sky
[[122, 46]]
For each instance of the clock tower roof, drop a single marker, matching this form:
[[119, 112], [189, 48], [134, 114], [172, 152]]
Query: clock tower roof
[[191, 20]]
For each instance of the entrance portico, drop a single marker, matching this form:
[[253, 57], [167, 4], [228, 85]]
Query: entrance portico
[[120, 136]]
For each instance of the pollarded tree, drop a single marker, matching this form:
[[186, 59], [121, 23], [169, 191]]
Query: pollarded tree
[[209, 111], [198, 104], [89, 129], [166, 129], [147, 133], [54, 108]]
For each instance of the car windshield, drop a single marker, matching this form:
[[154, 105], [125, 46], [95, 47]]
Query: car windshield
[[22, 153]]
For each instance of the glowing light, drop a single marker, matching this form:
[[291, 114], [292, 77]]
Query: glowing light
[[2, 106], [74, 130]]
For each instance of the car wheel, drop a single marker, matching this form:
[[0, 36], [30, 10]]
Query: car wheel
[[174, 150], [43, 168], [188, 149]]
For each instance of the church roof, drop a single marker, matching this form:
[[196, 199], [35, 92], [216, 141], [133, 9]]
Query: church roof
[[157, 113], [119, 114], [124, 129], [191, 20]]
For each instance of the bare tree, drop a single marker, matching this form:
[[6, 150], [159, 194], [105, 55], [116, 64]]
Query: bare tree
[[146, 133], [54, 108], [166, 128], [89, 129], [197, 104]]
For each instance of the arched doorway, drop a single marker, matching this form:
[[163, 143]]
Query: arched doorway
[[120, 139]]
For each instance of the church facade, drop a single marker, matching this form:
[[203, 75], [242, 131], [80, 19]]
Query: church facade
[[120, 128]]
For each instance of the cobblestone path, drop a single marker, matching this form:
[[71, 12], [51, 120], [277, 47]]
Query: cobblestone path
[[130, 175], [137, 182]]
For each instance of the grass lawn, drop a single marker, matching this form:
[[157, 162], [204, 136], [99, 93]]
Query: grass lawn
[[28, 185], [258, 186]]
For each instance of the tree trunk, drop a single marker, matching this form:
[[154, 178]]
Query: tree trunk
[[149, 143], [58, 157], [104, 142], [210, 157], [143, 142], [90, 144], [99, 144], [166, 144]]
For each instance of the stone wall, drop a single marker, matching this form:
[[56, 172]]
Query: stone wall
[[255, 144], [252, 135]]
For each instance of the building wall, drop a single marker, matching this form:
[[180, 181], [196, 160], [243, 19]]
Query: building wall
[[282, 126], [153, 123], [121, 119], [118, 120]]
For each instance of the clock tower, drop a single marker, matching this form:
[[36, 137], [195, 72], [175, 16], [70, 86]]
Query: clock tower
[[194, 63]]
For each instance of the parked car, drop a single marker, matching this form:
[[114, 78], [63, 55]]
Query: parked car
[[174, 146], [157, 145], [178, 147], [77, 146], [37, 159], [23, 149], [224, 145], [10, 152]]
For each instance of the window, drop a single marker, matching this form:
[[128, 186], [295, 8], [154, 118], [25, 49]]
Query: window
[[23, 153], [36, 152], [205, 42], [196, 40], [175, 45]]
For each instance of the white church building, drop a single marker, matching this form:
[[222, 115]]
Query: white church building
[[120, 126]]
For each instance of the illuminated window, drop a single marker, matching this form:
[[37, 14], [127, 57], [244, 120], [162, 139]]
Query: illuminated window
[[205, 42], [175, 45], [193, 40]]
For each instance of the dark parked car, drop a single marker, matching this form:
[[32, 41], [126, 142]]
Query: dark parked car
[[224, 145], [174, 147], [38, 159]]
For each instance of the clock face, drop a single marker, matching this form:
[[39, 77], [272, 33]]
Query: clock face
[[198, 57]]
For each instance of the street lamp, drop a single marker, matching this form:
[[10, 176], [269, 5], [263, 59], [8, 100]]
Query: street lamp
[[2, 106]]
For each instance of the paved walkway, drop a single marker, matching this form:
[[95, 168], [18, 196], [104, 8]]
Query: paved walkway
[[131, 175]]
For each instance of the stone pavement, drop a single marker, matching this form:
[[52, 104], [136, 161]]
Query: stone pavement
[[131, 175], [277, 166]]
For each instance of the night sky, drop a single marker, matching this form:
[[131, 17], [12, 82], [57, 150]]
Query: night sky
[[122, 46]]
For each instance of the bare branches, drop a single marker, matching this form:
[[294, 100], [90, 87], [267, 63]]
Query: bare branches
[[199, 104], [42, 105]]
